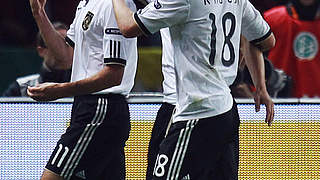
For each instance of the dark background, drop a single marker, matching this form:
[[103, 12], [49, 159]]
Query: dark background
[[18, 31], [18, 27]]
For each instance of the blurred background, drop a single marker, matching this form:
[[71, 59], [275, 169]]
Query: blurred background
[[18, 30], [290, 149]]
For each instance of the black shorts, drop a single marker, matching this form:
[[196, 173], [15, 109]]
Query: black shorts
[[158, 132], [201, 149], [93, 146]]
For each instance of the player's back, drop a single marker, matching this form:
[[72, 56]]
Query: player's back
[[205, 35], [211, 34], [207, 53]]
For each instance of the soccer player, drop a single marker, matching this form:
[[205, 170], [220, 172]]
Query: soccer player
[[205, 36], [103, 71]]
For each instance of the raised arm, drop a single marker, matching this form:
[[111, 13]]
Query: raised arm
[[54, 41], [255, 63], [125, 20]]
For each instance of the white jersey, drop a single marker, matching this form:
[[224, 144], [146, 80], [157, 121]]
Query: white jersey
[[206, 39], [169, 77], [97, 42]]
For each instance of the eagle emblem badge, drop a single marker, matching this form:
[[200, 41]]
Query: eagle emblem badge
[[87, 20]]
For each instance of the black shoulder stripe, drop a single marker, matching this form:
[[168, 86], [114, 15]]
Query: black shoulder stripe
[[69, 41], [114, 31], [118, 55], [141, 25], [115, 61], [262, 38]]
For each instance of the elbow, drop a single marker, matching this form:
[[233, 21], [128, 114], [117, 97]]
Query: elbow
[[117, 81], [271, 42], [127, 34], [127, 31], [268, 43], [115, 74]]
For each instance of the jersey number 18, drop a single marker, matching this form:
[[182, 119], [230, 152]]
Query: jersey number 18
[[227, 39]]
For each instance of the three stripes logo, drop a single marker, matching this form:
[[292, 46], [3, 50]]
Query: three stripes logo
[[114, 49], [178, 155], [81, 174], [115, 54], [84, 140]]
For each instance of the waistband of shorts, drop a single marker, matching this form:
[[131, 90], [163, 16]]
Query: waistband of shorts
[[109, 96]]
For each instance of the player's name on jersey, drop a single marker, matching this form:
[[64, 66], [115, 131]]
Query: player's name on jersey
[[220, 1]]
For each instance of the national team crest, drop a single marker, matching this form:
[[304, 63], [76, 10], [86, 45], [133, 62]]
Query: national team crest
[[306, 46], [87, 20]]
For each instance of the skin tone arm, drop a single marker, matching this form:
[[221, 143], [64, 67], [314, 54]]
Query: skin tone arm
[[255, 63], [127, 26], [109, 76], [52, 38]]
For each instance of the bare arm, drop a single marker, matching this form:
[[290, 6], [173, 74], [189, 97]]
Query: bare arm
[[53, 39], [125, 20], [255, 63], [109, 76], [266, 44]]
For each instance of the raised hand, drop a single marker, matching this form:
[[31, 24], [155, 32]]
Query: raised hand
[[37, 6]]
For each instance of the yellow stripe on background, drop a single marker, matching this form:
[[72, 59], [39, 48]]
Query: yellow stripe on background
[[282, 151]]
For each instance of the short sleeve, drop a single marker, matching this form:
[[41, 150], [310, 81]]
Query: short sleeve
[[160, 14], [254, 27], [115, 45], [70, 38]]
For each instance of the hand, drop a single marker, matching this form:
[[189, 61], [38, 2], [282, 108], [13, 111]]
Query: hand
[[37, 6], [262, 97], [44, 92]]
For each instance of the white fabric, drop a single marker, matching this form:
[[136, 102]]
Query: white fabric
[[169, 78], [93, 45], [203, 82]]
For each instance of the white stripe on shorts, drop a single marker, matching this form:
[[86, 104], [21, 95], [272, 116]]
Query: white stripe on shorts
[[180, 150], [85, 139]]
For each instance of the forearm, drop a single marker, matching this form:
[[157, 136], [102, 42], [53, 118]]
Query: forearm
[[255, 63], [54, 41], [106, 78]]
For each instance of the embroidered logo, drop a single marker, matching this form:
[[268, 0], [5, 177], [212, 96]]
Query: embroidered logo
[[81, 175], [187, 177], [157, 5], [87, 20], [305, 46]]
